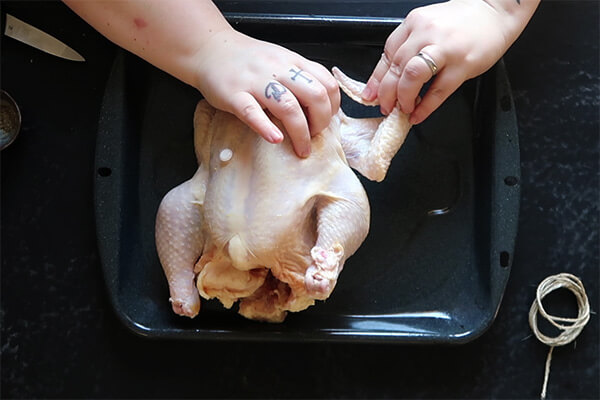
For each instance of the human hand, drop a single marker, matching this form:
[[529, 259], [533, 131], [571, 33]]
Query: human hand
[[242, 75], [464, 38], [192, 41]]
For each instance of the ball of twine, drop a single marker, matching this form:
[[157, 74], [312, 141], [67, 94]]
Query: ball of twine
[[570, 327]]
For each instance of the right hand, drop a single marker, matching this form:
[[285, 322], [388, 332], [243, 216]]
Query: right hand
[[464, 38], [242, 75]]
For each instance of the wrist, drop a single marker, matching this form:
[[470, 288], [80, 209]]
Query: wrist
[[209, 58], [513, 14], [509, 16]]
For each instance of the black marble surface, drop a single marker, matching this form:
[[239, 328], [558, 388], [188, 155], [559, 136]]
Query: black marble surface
[[60, 337]]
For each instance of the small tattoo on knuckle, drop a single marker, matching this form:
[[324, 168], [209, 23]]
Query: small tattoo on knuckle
[[275, 90], [298, 73]]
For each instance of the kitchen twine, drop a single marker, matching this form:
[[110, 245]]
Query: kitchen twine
[[570, 327]]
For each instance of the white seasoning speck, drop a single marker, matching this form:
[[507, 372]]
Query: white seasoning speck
[[225, 155]]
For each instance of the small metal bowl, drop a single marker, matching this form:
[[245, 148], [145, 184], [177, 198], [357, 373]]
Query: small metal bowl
[[10, 120]]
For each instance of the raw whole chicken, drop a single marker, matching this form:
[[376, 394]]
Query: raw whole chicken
[[258, 224]]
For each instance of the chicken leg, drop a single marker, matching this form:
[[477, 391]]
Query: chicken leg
[[179, 241], [342, 225]]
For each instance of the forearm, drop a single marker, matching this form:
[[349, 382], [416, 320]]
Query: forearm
[[167, 34], [515, 14]]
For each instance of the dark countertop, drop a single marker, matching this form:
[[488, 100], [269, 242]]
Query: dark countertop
[[61, 338]]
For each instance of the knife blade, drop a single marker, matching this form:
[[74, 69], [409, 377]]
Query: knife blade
[[23, 32]]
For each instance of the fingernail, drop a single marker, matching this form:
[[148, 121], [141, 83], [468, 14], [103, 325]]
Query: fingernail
[[305, 152], [276, 136], [413, 120], [367, 93], [384, 110]]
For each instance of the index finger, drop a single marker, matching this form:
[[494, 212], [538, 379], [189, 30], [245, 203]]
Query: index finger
[[248, 110], [392, 44]]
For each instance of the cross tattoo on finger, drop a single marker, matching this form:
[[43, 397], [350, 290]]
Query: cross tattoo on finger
[[299, 74]]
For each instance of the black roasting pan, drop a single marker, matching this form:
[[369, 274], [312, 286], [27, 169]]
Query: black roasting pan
[[435, 264]]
